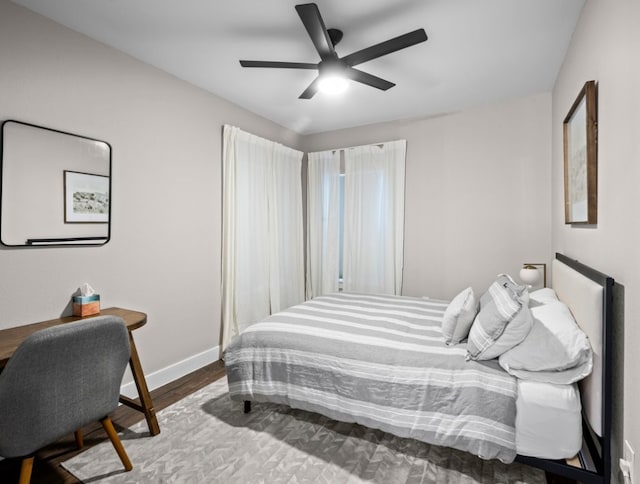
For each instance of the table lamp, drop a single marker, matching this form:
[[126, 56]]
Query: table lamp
[[530, 275]]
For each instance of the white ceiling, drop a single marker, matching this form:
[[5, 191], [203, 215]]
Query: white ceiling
[[478, 52]]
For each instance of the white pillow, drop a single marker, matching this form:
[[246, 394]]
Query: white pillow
[[543, 296], [555, 351], [458, 316]]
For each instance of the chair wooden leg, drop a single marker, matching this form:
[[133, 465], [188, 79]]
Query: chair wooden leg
[[115, 440], [79, 439], [25, 470]]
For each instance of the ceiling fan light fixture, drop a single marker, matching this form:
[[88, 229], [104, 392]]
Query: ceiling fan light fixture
[[333, 84], [324, 40]]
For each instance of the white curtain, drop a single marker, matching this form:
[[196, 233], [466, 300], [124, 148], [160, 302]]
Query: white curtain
[[262, 257], [286, 228], [323, 222], [374, 218]]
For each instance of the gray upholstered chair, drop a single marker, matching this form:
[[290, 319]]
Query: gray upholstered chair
[[59, 380]]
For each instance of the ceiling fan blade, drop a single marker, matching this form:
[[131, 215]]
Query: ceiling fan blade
[[387, 47], [283, 65], [368, 79], [310, 91], [312, 20]]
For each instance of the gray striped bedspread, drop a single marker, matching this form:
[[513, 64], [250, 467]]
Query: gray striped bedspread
[[379, 361]]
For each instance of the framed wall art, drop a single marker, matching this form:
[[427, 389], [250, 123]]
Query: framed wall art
[[581, 159], [86, 198]]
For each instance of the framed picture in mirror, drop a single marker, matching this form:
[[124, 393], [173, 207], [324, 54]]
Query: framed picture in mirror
[[86, 197]]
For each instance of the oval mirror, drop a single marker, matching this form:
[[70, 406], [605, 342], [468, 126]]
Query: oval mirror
[[56, 187]]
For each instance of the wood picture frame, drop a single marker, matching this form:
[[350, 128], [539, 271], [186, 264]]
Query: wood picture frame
[[580, 142]]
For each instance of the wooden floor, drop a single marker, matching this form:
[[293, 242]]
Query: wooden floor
[[47, 469]]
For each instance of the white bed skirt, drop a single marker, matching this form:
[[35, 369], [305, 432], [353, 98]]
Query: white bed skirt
[[548, 420]]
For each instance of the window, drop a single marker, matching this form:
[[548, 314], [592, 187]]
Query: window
[[356, 219], [341, 235]]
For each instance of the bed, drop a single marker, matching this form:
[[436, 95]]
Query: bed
[[381, 361]]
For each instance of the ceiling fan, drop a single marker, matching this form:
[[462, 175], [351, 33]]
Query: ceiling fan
[[332, 66]]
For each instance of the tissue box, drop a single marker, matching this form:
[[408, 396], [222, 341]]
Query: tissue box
[[86, 305]]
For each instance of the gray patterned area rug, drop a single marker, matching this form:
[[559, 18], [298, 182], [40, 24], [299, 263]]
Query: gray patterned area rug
[[206, 438]]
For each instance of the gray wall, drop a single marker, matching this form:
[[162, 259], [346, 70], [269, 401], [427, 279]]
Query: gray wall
[[605, 48], [164, 256], [478, 194]]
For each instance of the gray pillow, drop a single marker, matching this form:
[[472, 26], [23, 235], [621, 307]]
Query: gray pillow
[[459, 316], [503, 322], [507, 281]]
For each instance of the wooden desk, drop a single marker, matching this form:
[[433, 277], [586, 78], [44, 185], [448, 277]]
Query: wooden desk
[[11, 338]]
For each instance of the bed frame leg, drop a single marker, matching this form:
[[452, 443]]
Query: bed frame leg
[[247, 406]]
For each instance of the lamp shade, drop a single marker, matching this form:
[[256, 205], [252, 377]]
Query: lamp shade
[[529, 275]]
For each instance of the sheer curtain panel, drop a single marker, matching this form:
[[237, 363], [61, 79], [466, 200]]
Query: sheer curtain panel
[[374, 218], [286, 228], [323, 223], [262, 258]]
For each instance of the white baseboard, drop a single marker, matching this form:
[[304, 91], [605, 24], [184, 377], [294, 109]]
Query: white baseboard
[[173, 372]]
